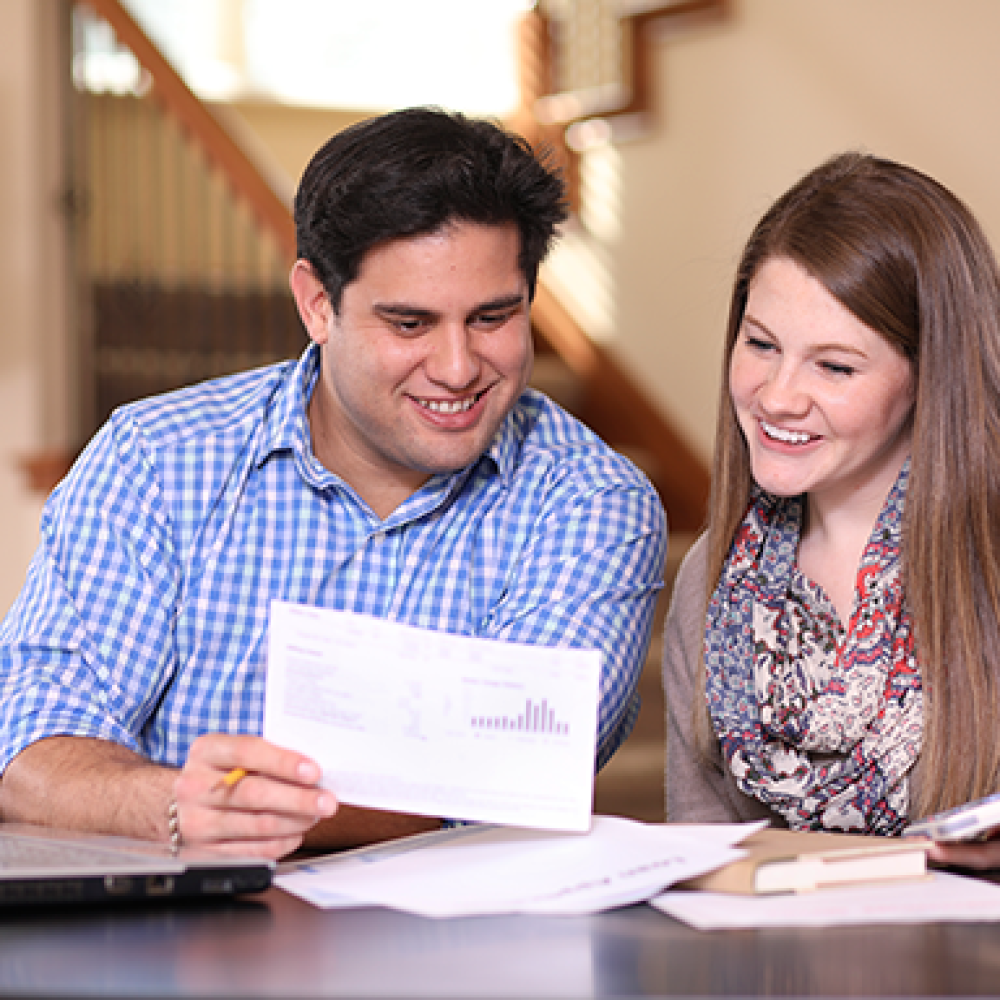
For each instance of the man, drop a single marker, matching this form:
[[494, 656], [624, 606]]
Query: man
[[401, 468]]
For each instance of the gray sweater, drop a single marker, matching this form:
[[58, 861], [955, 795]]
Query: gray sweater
[[696, 791]]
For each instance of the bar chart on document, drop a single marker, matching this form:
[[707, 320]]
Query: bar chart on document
[[534, 717], [437, 724]]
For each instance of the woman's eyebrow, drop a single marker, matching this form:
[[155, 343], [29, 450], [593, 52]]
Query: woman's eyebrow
[[815, 348]]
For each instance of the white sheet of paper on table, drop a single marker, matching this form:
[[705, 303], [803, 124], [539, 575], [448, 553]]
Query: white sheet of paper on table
[[941, 897], [482, 870], [425, 722]]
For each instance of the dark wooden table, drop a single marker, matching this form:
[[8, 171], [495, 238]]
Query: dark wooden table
[[277, 946]]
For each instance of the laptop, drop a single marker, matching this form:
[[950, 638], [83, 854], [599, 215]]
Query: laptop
[[40, 865]]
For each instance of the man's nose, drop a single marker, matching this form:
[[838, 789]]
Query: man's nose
[[453, 361]]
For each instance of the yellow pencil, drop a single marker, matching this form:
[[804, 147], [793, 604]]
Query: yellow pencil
[[232, 778]]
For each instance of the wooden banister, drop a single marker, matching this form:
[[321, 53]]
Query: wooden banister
[[218, 145]]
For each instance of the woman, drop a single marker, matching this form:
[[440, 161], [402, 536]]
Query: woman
[[850, 651]]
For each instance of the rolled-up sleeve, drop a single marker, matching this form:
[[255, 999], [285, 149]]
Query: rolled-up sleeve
[[85, 650]]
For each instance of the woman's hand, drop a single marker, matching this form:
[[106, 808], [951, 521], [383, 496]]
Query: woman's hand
[[979, 854]]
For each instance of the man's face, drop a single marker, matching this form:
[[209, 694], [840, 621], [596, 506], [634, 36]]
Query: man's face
[[428, 353]]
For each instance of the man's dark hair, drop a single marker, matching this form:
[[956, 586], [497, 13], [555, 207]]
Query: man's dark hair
[[409, 173]]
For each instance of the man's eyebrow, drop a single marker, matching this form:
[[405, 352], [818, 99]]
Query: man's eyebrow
[[404, 309], [503, 302], [401, 309]]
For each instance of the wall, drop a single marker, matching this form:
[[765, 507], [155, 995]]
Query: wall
[[34, 393], [748, 104]]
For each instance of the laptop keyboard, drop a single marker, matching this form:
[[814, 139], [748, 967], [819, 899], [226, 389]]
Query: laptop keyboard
[[16, 852]]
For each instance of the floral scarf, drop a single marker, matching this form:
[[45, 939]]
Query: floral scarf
[[825, 735]]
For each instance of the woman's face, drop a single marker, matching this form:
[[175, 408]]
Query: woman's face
[[824, 402]]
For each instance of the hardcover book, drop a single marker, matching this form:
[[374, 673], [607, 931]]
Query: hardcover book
[[798, 861]]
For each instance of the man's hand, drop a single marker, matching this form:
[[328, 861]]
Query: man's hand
[[266, 813], [82, 783]]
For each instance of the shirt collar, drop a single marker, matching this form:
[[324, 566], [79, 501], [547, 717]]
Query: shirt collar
[[286, 426]]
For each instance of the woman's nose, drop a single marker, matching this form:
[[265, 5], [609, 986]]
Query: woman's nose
[[783, 391]]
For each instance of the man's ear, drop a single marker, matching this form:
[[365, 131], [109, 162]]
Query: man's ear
[[311, 300]]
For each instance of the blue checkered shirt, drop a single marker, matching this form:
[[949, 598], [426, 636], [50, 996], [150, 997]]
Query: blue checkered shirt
[[144, 616]]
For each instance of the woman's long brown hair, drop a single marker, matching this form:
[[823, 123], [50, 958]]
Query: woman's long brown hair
[[909, 260]]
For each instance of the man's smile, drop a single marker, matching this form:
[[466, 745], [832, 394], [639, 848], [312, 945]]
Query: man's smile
[[450, 406]]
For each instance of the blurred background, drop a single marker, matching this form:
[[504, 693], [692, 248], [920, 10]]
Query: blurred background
[[151, 150]]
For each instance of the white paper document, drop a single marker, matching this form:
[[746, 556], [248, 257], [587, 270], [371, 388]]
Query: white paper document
[[940, 897], [479, 870], [424, 722]]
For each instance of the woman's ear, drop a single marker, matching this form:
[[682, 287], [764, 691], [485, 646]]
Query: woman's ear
[[311, 300]]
